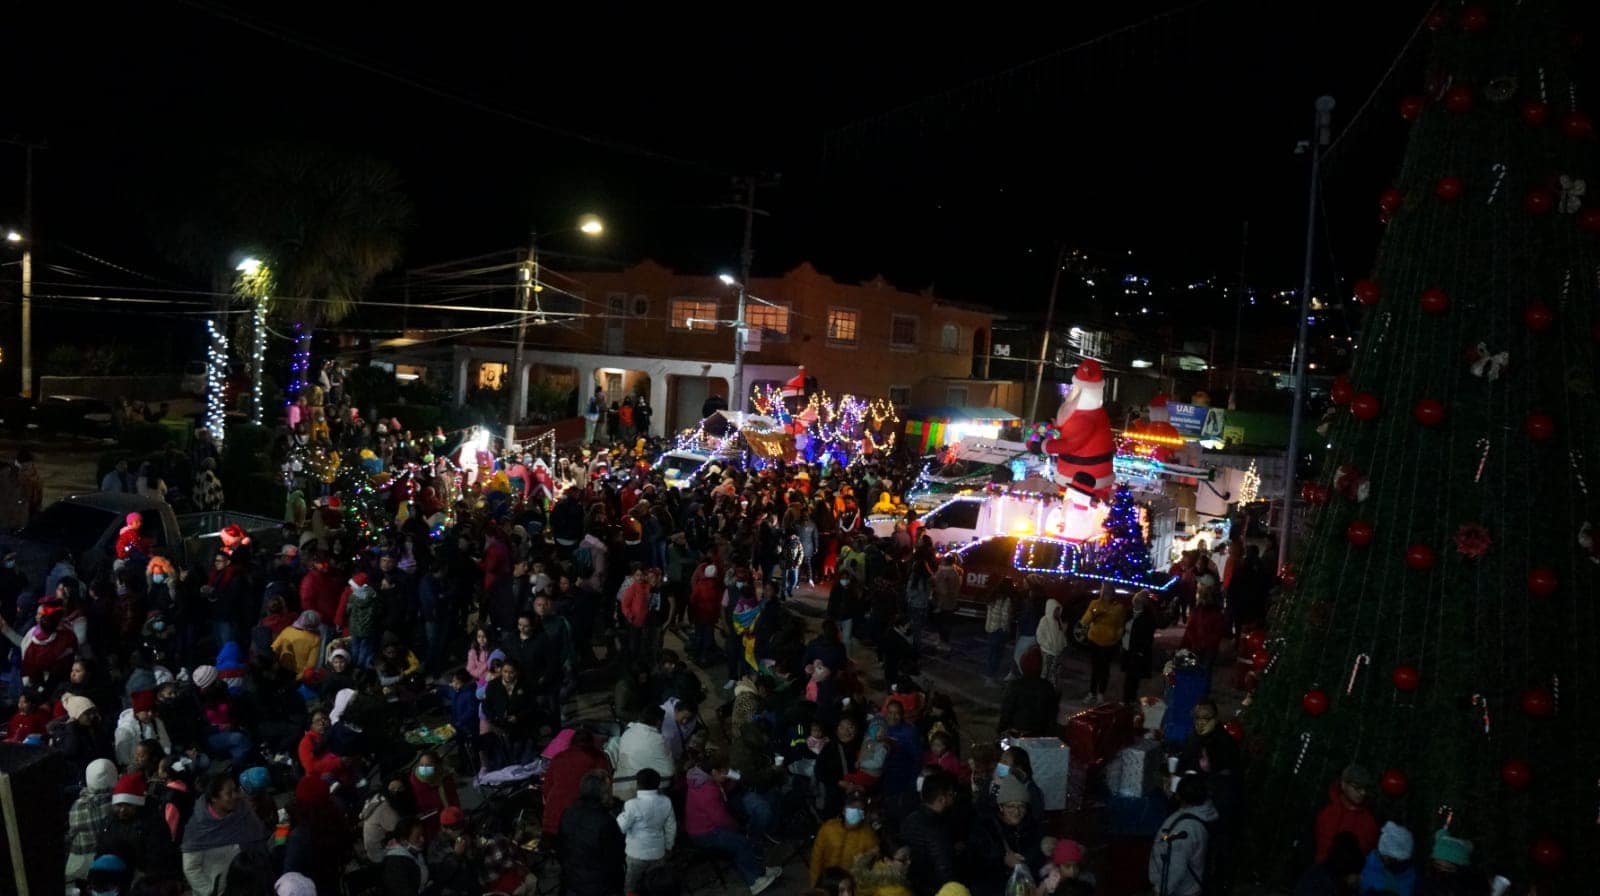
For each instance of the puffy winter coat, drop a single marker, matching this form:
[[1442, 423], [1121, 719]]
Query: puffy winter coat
[[705, 598], [648, 825], [640, 746], [593, 858], [705, 808], [838, 845], [562, 778], [130, 731]]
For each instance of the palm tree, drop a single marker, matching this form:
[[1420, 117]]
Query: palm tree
[[326, 223]]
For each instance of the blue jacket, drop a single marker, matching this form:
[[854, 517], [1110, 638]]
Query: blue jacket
[[1376, 878], [464, 710]]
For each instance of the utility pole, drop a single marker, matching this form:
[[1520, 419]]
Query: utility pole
[[27, 263], [1044, 341], [527, 285], [1321, 135], [1238, 319], [736, 391]]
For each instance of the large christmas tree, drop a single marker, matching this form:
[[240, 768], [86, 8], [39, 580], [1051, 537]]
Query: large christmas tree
[[1442, 627]]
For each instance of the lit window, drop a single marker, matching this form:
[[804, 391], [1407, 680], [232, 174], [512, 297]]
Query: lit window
[[950, 338], [694, 314], [842, 324], [491, 375], [771, 320], [903, 331]]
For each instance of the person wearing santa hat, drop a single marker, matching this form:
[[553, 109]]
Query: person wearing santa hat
[[139, 723], [1083, 448], [48, 649], [138, 838], [359, 616]]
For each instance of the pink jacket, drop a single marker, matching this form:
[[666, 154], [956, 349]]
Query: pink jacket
[[706, 807]]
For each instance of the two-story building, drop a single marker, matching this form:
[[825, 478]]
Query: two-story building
[[669, 336]]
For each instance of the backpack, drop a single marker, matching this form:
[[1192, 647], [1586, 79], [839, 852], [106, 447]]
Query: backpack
[[1205, 873], [583, 562]]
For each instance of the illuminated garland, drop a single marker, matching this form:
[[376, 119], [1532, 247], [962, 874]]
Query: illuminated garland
[[299, 362], [216, 376], [258, 357], [1250, 487], [1076, 560]]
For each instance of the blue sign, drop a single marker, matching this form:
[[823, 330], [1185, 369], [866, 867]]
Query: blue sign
[[1196, 421]]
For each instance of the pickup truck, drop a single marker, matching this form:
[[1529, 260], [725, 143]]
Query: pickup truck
[[87, 525]]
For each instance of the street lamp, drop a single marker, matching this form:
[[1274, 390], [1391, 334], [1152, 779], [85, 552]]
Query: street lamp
[[249, 267], [736, 392], [727, 279], [13, 237], [528, 284], [254, 281]]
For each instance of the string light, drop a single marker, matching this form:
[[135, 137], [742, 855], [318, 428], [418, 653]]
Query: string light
[[216, 376], [299, 362], [1250, 487], [258, 357], [1150, 438]]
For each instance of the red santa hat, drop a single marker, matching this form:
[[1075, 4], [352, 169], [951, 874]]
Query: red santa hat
[[359, 580], [796, 387], [1088, 372], [1158, 400], [129, 790], [143, 701], [134, 521], [234, 535]]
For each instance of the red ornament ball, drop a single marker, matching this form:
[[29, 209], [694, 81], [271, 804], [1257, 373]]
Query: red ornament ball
[[1365, 406], [1429, 412], [1390, 200], [1419, 557], [1542, 581], [1234, 729], [1314, 493], [1539, 427], [1406, 678], [1288, 578], [1535, 113], [1547, 853], [1359, 533], [1367, 292], [1516, 774], [1448, 188], [1341, 391], [1315, 703], [1474, 18], [1538, 317], [1538, 703], [1434, 300], [1260, 661], [1458, 99], [1394, 782], [1538, 202], [1577, 125], [1589, 220], [1411, 108]]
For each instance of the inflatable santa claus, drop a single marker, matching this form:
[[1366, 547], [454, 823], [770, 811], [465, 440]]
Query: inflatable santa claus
[[1083, 449]]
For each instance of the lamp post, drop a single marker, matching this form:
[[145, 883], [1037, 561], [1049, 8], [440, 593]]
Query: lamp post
[[1321, 135], [528, 289]]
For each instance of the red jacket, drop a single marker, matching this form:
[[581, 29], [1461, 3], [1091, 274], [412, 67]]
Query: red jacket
[[1337, 817], [705, 598], [24, 724], [53, 656], [636, 602], [496, 564], [431, 799], [562, 778], [1205, 629], [320, 591]]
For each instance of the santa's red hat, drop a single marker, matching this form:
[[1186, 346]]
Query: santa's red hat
[[234, 535], [129, 790], [1159, 400], [1088, 372], [796, 387], [143, 701], [359, 580]]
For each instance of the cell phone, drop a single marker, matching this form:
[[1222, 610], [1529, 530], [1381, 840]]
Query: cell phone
[[1005, 743]]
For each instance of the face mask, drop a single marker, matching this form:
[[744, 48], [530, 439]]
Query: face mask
[[1002, 770], [425, 771], [844, 581], [815, 744], [853, 816], [11, 564], [158, 625], [158, 578]]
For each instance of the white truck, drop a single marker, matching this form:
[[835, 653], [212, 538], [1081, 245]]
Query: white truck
[[965, 518]]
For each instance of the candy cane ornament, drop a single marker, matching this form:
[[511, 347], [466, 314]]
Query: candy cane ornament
[[1305, 744], [1576, 460], [1542, 96], [1555, 691], [1499, 169], [1479, 702], [1446, 815], [1361, 660], [1483, 445]]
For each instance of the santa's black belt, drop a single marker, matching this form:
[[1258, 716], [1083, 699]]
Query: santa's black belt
[[1091, 459]]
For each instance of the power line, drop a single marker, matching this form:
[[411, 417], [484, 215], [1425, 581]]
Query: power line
[[344, 57]]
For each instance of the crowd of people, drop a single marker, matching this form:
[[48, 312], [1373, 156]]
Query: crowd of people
[[548, 634]]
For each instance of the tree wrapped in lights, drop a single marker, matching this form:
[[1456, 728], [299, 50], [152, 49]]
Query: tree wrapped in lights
[[216, 382], [1440, 624], [1125, 554]]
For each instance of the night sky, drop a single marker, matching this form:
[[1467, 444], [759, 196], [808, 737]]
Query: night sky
[[1161, 139]]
